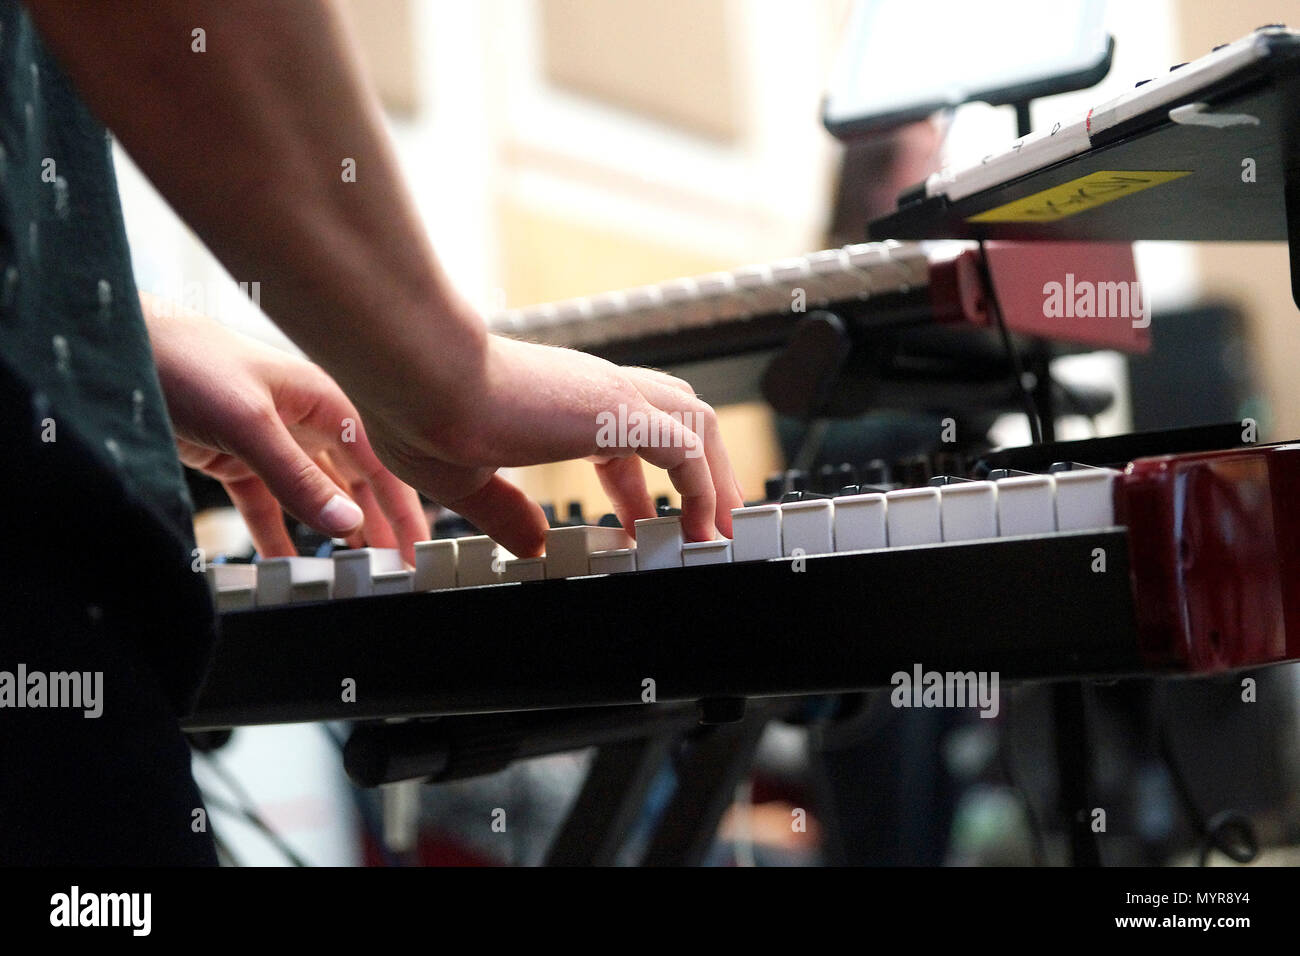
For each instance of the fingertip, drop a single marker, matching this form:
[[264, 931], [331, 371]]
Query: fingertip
[[698, 519], [340, 517]]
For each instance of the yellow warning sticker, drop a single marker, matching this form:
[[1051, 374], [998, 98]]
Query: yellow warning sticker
[[1078, 195]]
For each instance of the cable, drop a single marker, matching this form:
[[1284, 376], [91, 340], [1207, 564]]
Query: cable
[[1013, 356], [245, 807], [1229, 832]]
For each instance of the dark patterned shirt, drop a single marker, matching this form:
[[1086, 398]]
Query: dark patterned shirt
[[73, 342]]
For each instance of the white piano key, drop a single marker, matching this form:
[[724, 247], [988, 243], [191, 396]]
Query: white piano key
[[761, 293], [289, 580], [697, 553], [524, 569], [574, 324], [756, 533], [392, 582], [480, 560], [608, 305], [312, 591], [568, 549], [1026, 505], [808, 526], [913, 517], [659, 543], [969, 510], [646, 314], [224, 576], [506, 322], [235, 598], [795, 274], [573, 311], [435, 565], [1176, 84], [682, 299], [615, 561], [1085, 499], [835, 279], [860, 522], [1039, 149], [354, 570], [534, 319], [719, 298]]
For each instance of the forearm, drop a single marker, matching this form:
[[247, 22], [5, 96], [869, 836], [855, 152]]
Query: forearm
[[247, 141]]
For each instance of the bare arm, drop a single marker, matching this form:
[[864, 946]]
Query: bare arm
[[247, 141]]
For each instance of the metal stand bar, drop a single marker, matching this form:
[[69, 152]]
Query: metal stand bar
[[611, 800], [707, 779]]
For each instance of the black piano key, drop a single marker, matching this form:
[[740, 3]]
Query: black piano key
[[575, 515], [662, 502], [997, 474], [552, 516], [773, 487], [1058, 466], [802, 496], [609, 520]]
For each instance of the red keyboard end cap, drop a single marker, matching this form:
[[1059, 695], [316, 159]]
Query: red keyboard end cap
[[1214, 550]]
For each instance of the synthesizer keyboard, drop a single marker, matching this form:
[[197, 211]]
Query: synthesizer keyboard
[[1180, 563], [1203, 152], [879, 290]]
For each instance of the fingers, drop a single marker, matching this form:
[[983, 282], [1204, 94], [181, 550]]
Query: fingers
[[624, 483], [303, 489], [261, 513], [673, 396], [507, 515], [396, 501], [689, 473]]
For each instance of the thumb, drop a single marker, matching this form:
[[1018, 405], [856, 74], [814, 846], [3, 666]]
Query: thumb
[[297, 482]]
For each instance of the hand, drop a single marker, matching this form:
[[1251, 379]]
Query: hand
[[277, 432], [522, 404]]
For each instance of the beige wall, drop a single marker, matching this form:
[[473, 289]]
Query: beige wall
[[1254, 275]]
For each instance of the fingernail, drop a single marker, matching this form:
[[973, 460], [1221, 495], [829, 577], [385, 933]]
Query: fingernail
[[339, 515]]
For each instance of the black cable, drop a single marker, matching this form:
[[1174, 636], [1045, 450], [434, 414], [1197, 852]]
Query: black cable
[[245, 807], [1013, 356], [1229, 832]]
